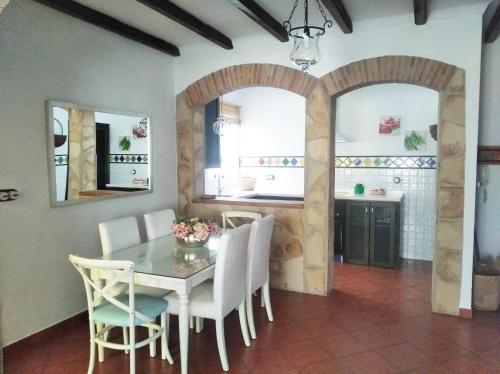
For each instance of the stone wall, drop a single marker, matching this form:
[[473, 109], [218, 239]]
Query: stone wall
[[287, 241], [316, 235]]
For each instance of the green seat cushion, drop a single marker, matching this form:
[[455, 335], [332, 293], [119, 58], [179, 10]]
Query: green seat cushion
[[110, 314]]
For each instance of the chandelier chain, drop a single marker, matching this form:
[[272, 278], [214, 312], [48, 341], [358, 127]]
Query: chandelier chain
[[323, 13], [287, 24]]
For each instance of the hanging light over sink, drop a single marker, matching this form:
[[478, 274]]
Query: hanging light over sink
[[220, 123], [305, 51]]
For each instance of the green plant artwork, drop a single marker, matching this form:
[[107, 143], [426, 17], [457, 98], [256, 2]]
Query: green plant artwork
[[415, 140], [124, 143]]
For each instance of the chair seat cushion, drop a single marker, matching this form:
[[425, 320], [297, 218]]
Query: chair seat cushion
[[201, 301], [110, 314]]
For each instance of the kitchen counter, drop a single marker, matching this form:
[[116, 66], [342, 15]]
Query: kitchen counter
[[127, 185], [244, 198], [390, 196]]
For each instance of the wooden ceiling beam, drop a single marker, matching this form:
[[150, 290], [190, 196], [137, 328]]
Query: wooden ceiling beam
[[262, 18], [420, 11], [104, 21], [339, 14], [493, 27], [179, 15]]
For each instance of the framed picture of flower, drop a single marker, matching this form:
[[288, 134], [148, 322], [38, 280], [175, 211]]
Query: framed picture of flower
[[415, 140], [389, 125]]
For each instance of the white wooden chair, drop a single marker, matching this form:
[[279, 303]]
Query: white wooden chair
[[259, 246], [159, 223], [120, 234], [216, 299], [226, 217], [125, 310]]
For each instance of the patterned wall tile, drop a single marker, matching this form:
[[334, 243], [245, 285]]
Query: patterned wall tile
[[61, 160], [386, 162], [114, 158], [360, 162], [272, 161], [126, 158]]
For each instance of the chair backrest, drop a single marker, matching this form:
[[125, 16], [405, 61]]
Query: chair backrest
[[226, 217], [259, 246], [119, 234], [123, 271], [159, 223], [230, 270]]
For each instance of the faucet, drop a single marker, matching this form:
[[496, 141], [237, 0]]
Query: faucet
[[219, 184]]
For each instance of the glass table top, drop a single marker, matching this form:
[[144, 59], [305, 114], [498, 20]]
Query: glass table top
[[165, 257]]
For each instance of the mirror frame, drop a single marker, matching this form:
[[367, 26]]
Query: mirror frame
[[50, 104]]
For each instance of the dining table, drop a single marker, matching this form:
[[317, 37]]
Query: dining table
[[166, 264]]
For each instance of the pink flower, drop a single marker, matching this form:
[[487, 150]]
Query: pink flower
[[199, 228], [180, 230], [200, 231]]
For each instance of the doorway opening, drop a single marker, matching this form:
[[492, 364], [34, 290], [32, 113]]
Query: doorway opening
[[385, 194]]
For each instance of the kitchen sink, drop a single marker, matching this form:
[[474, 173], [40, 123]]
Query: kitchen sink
[[275, 197]]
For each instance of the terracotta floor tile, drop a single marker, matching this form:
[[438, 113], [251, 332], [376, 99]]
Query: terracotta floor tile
[[342, 344], [305, 352], [404, 356], [368, 362], [327, 367], [376, 337], [374, 321], [319, 327], [439, 348], [267, 359]]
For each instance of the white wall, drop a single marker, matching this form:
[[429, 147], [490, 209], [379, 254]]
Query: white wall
[[359, 111], [272, 124], [48, 55], [452, 36], [488, 224]]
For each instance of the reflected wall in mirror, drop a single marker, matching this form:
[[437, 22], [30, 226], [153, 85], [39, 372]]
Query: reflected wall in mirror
[[96, 153]]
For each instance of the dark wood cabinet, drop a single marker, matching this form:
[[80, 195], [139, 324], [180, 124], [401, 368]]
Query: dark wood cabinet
[[372, 233], [357, 234]]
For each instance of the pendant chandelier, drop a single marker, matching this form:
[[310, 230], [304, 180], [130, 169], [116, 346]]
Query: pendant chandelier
[[305, 51]]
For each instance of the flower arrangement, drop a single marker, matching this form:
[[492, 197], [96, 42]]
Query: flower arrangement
[[194, 230]]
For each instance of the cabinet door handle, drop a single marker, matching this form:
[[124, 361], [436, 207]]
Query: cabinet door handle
[[366, 209], [372, 210]]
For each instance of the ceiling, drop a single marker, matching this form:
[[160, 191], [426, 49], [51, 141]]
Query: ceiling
[[225, 17]]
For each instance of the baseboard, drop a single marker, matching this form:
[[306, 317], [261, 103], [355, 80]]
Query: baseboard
[[465, 313], [49, 332]]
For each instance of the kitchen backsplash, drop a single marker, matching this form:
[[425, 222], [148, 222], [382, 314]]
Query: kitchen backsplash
[[417, 176], [418, 208]]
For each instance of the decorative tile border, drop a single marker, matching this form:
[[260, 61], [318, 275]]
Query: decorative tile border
[[488, 155], [378, 162], [128, 158], [272, 161], [61, 160], [386, 162]]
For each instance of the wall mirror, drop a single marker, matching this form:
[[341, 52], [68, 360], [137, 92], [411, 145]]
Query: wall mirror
[[96, 153]]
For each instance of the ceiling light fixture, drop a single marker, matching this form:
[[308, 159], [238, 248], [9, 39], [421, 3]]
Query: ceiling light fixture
[[220, 122], [305, 51]]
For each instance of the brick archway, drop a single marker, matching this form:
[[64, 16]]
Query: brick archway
[[317, 222], [449, 81]]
